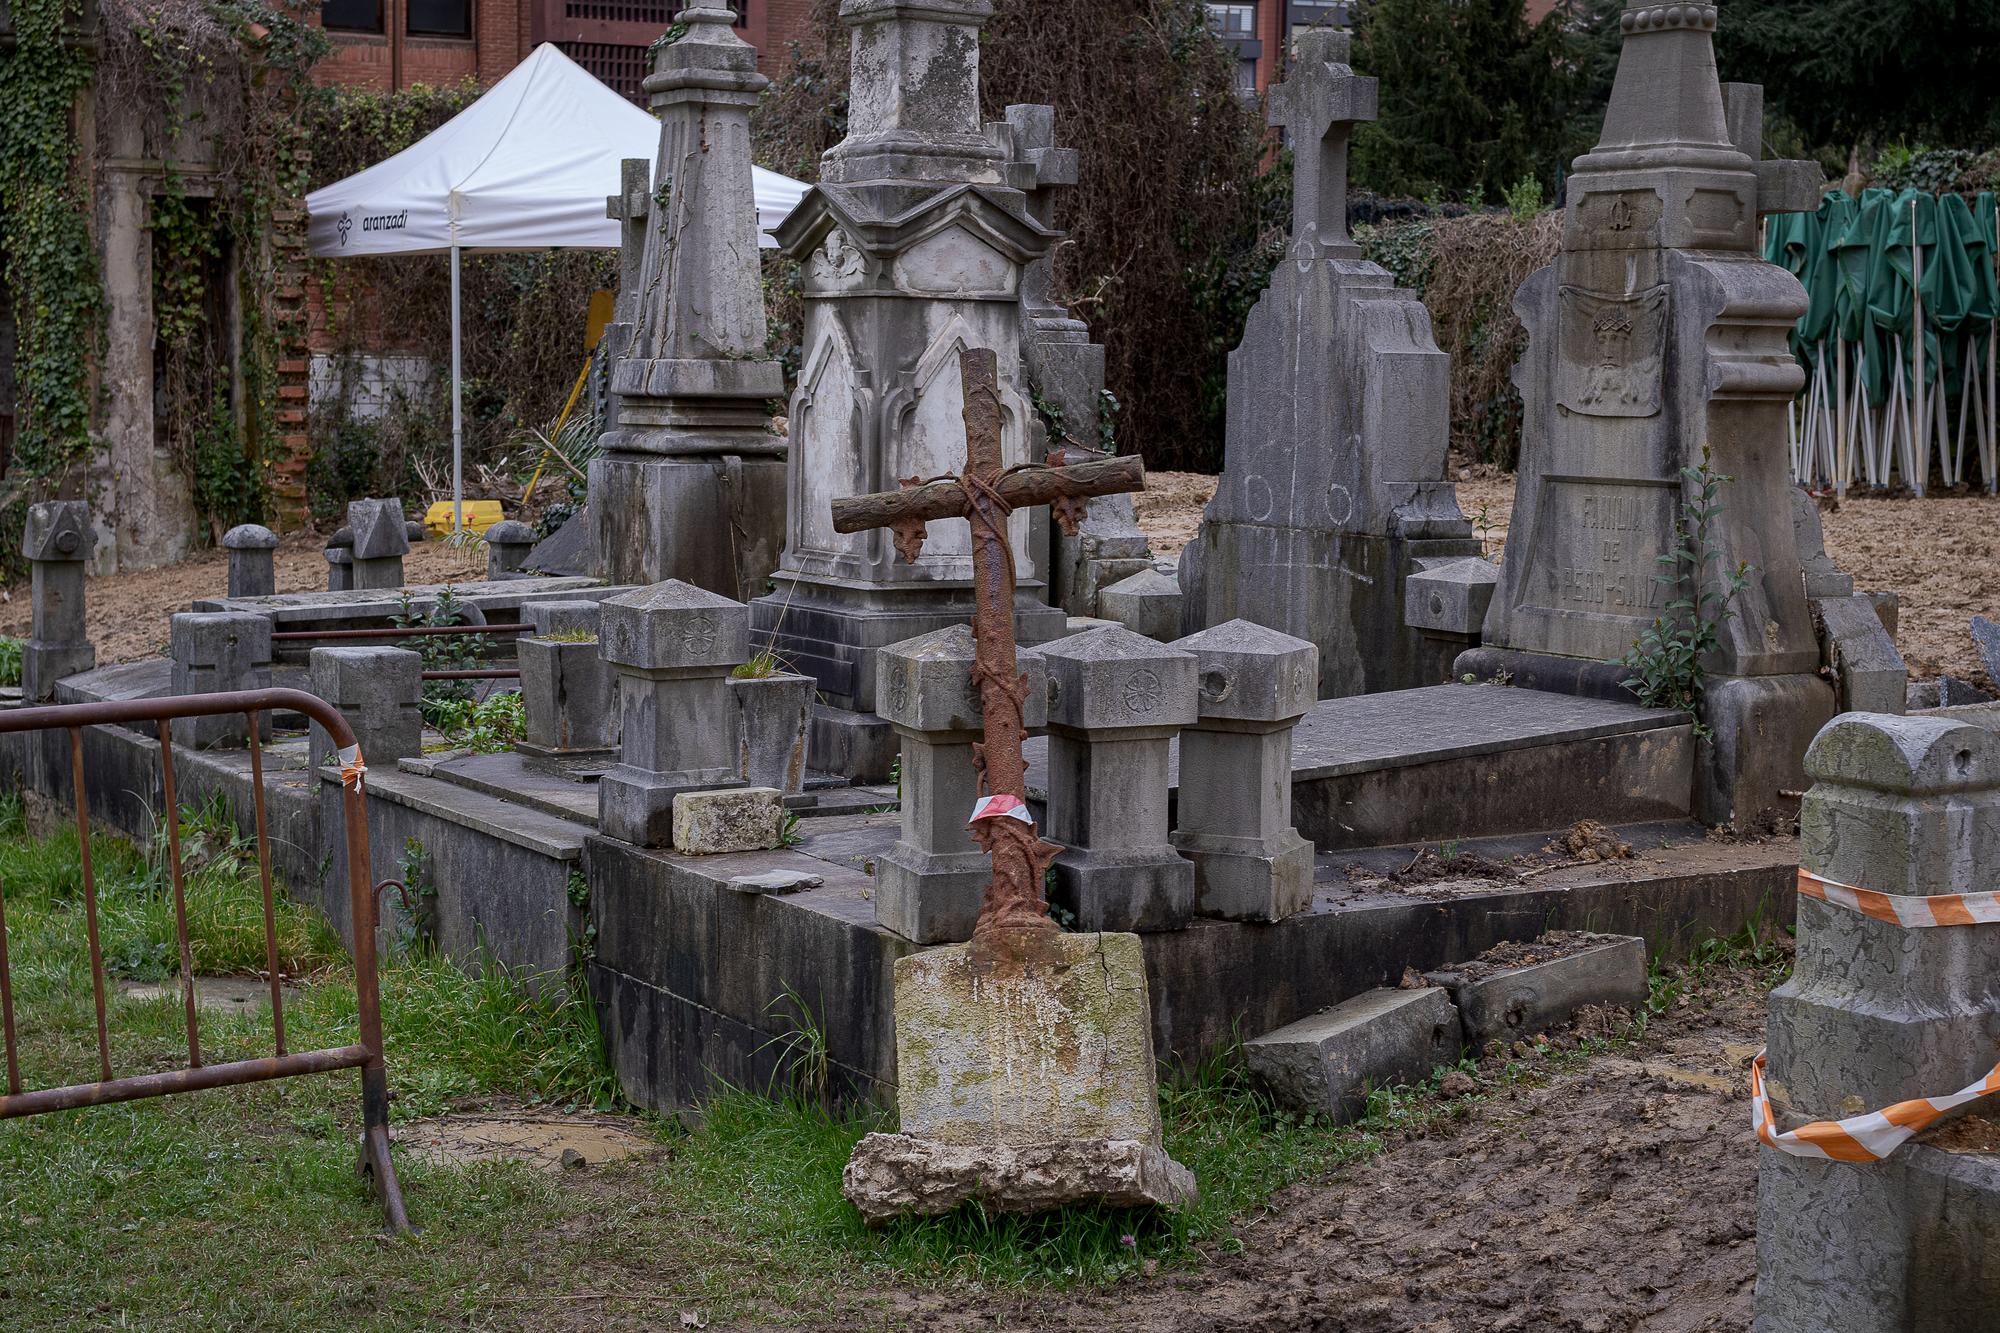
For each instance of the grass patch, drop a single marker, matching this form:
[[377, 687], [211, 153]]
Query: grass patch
[[241, 1207]]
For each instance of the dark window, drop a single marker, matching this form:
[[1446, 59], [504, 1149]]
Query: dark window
[[1236, 20], [351, 15], [622, 68], [742, 8], [441, 18]]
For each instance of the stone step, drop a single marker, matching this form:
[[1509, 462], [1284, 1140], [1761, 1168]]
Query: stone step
[[1472, 761], [1326, 1063]]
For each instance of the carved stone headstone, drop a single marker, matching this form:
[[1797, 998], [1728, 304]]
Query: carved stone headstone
[[691, 482], [1660, 331], [1331, 493], [913, 246], [1065, 373]]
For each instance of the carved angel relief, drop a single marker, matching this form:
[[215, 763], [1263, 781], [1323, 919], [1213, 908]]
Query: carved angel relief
[[837, 258]]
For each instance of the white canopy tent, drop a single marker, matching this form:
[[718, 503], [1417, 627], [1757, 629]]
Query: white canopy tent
[[526, 167]]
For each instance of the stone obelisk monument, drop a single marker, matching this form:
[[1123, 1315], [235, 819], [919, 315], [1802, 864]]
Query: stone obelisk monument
[[1660, 331], [691, 484], [913, 247]]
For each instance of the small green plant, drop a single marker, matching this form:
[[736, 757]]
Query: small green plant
[[489, 726], [1108, 408], [788, 832], [762, 666], [1524, 198], [1665, 660], [1448, 852], [413, 867], [443, 652], [10, 661], [568, 636]]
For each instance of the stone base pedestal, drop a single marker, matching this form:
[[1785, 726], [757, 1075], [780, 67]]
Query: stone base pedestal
[[1118, 888], [636, 806], [1025, 1078], [1762, 727], [717, 523], [43, 664], [902, 1175], [930, 897], [1249, 879]]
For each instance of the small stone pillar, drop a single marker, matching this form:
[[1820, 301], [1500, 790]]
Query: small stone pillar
[[215, 653], [673, 646], [340, 561], [56, 542], [253, 566], [1235, 813], [377, 690], [566, 685], [507, 545], [1116, 702], [1876, 1014], [928, 886], [1446, 603], [381, 540]]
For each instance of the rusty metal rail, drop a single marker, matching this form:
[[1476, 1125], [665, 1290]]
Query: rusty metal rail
[[496, 673], [364, 1055], [393, 632]]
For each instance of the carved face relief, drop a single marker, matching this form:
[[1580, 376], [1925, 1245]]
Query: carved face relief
[[1612, 349]]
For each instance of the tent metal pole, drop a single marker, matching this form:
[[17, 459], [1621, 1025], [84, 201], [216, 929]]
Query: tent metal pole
[[457, 426], [1920, 443], [1841, 467]]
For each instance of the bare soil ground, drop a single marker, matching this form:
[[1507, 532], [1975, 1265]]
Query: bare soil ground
[[1941, 553], [1617, 1196], [127, 612]]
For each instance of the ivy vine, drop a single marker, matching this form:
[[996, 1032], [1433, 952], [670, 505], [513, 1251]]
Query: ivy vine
[[51, 264]]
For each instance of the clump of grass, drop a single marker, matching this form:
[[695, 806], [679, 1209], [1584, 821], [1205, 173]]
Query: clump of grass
[[761, 666], [569, 636], [10, 660]]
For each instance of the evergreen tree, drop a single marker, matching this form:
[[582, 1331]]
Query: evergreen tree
[[1474, 98]]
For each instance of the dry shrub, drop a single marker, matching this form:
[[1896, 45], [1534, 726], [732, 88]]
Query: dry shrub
[[1174, 224], [1476, 265]]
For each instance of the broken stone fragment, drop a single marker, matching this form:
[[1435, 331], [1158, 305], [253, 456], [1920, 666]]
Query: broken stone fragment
[[894, 1175], [734, 819]]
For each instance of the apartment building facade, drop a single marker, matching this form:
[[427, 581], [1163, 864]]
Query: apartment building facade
[[388, 45]]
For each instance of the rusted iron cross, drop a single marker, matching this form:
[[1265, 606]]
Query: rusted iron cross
[[987, 493]]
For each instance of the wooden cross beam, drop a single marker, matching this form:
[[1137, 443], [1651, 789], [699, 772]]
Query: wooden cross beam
[[987, 493]]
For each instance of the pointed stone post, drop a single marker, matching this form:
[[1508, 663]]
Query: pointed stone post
[[673, 646], [1875, 1015], [1117, 701], [1330, 497], [691, 484], [1235, 815], [381, 540], [1066, 371], [929, 885], [56, 542]]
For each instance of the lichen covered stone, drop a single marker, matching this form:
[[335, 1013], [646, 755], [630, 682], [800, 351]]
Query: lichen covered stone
[[734, 819]]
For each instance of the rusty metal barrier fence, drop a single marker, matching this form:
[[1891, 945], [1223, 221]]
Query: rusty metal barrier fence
[[364, 1055]]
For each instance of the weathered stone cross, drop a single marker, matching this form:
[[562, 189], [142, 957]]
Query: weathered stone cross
[[986, 494], [1320, 102], [633, 206]]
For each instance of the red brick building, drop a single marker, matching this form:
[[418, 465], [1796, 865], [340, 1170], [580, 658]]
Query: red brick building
[[388, 45]]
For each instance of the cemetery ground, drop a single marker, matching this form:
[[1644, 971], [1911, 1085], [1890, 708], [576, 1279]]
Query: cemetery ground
[[1601, 1178]]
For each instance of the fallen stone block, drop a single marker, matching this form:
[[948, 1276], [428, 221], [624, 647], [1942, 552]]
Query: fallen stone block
[[776, 881], [733, 819], [1328, 1062], [895, 1175], [1514, 991]]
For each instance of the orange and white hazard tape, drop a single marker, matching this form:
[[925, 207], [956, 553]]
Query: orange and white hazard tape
[[1904, 909], [352, 770], [1873, 1136], [1859, 1138]]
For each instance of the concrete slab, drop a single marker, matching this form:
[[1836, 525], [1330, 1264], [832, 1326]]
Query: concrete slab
[[507, 776], [1325, 1064], [1505, 1000], [1366, 770]]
